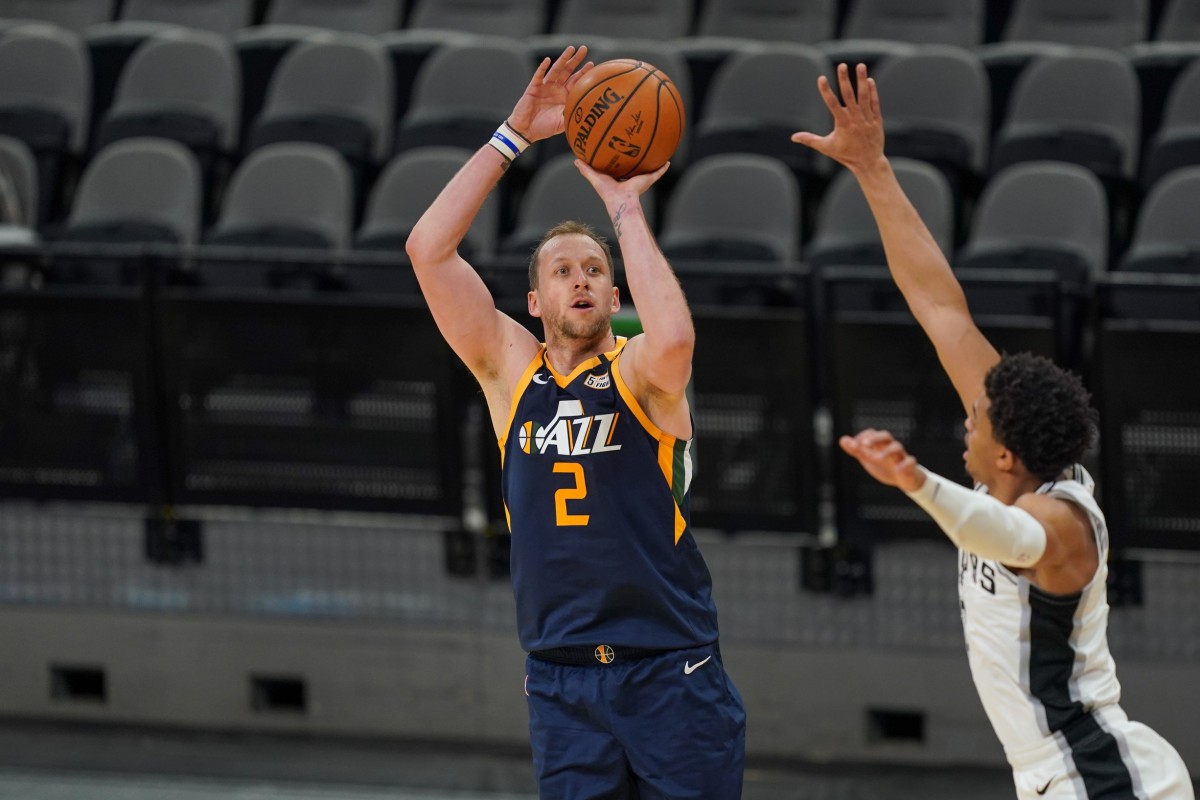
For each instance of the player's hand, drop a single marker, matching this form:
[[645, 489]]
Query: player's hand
[[607, 186], [539, 112], [884, 458], [857, 137]]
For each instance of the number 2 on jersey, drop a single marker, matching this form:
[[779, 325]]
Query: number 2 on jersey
[[576, 492]]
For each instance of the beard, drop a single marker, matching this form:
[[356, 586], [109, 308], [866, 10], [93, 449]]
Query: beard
[[582, 330]]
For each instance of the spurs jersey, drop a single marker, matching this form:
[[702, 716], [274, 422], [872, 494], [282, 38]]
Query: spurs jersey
[[596, 497]]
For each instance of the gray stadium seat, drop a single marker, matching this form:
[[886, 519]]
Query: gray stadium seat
[[44, 95], [874, 29], [750, 109], [408, 49], [18, 192], [937, 101], [406, 188], [1166, 238], [334, 90], [138, 190], [182, 85], [1041, 215], [734, 207], [625, 19], [846, 233], [1177, 143], [371, 17], [260, 48], [1082, 108], [556, 193], [293, 194], [74, 15], [1180, 22], [218, 16], [518, 18], [451, 106], [1096, 23]]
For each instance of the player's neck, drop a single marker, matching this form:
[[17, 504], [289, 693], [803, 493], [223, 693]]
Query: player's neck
[[1008, 486], [567, 354]]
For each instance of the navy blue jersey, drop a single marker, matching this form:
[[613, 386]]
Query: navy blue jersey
[[597, 501]]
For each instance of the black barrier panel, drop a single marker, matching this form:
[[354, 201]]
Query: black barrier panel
[[1149, 403], [884, 373], [311, 401], [755, 454], [75, 412]]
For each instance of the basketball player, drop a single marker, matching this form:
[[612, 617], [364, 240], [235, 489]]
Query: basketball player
[[1032, 542], [626, 691]]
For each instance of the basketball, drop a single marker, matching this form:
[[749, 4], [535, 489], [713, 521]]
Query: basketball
[[624, 118]]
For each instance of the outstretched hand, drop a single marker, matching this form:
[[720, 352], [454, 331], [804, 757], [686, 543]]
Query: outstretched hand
[[884, 458], [605, 184], [539, 112], [857, 137]]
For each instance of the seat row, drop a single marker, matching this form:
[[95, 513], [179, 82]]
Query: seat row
[[733, 207]]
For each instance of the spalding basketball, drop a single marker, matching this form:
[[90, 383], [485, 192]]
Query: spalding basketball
[[624, 117]]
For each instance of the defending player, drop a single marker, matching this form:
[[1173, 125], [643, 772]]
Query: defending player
[[1033, 545], [626, 690]]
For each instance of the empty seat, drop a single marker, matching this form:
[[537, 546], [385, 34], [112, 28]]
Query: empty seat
[[451, 106], [734, 207], [407, 50], [625, 19], [1041, 215], [846, 232], [1158, 66], [1166, 238], [74, 15], [406, 188], [937, 109], [18, 192], [955, 22], [556, 193], [351, 16], [181, 85], [334, 90], [218, 16], [294, 194], [517, 18], [1081, 108], [1180, 22], [1096, 23], [1177, 143], [138, 190], [751, 110], [44, 87], [259, 49]]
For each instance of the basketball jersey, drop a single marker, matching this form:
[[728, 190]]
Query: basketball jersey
[[596, 497], [1040, 662]]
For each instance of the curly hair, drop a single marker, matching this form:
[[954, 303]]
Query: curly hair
[[1041, 412], [562, 229]]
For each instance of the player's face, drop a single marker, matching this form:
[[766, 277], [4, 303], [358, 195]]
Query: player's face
[[981, 444], [575, 296]]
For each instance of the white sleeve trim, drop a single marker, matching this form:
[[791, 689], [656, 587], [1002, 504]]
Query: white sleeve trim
[[981, 524]]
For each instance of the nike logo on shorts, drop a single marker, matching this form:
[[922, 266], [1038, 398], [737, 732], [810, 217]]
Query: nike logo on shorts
[[688, 669], [1047, 786]]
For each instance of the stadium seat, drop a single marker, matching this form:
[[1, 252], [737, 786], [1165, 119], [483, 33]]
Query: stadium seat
[[874, 29], [1166, 238], [624, 19], [18, 192], [137, 190], [1043, 215], [750, 110], [937, 109], [1179, 22], [1095, 23], [846, 233], [74, 15], [181, 85], [557, 192], [44, 88], [406, 188], [1177, 143], [370, 17], [1081, 108], [218, 16], [292, 194], [517, 18], [734, 207], [451, 107], [334, 90]]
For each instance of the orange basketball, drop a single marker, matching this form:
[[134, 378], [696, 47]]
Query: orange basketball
[[624, 117]]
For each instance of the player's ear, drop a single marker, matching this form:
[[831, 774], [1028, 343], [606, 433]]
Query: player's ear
[[1006, 460], [616, 300], [535, 310]]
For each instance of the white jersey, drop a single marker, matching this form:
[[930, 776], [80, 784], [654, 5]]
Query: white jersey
[[1048, 683]]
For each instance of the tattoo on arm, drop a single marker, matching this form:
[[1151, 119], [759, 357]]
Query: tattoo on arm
[[617, 219]]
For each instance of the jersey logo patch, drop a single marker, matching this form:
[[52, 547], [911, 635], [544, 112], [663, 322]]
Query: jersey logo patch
[[570, 433], [598, 381]]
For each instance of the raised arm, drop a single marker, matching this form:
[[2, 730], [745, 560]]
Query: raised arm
[[658, 362], [488, 341], [917, 264]]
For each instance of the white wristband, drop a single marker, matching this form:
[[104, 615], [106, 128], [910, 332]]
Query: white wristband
[[510, 143], [981, 524]]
